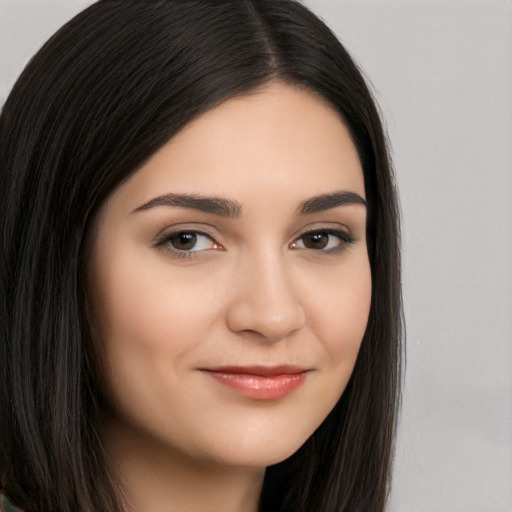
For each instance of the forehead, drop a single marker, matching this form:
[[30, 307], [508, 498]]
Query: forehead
[[278, 139]]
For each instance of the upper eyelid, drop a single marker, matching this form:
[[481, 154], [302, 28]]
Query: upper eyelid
[[330, 227], [202, 229], [345, 236], [163, 235], [214, 234]]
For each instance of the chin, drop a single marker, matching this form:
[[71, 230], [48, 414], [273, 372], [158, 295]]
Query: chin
[[255, 448]]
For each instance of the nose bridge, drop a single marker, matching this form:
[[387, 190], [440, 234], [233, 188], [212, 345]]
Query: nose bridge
[[264, 300]]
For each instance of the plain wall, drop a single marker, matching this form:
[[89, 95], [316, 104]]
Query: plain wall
[[442, 74]]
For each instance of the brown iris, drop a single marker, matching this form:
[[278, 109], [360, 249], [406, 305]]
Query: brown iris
[[184, 241], [316, 240]]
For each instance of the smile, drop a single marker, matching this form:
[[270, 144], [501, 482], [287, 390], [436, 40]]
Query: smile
[[260, 382]]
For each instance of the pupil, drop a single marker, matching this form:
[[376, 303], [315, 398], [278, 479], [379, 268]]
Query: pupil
[[316, 240], [184, 241]]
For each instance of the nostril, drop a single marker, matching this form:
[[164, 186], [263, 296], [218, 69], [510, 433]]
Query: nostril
[[270, 323]]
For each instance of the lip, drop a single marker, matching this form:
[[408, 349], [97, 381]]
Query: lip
[[260, 382]]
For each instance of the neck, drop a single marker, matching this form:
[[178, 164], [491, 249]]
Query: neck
[[158, 478]]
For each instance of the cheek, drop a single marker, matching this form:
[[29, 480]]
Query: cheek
[[148, 320], [141, 302], [341, 316]]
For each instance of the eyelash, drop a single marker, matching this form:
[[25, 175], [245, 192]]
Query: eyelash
[[345, 239], [165, 241]]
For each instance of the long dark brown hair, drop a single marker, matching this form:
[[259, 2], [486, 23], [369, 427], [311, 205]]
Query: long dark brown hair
[[102, 95]]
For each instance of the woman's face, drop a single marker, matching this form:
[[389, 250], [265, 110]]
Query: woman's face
[[230, 283]]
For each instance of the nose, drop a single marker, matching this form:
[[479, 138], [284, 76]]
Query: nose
[[263, 301]]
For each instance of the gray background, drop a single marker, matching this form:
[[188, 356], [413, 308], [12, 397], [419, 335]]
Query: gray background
[[442, 74]]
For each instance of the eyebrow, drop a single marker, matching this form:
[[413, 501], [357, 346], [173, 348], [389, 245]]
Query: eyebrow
[[230, 208], [216, 205], [326, 201]]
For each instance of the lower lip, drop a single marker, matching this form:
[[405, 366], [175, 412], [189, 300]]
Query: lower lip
[[260, 387]]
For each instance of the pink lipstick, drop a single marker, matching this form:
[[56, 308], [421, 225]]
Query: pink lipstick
[[260, 382]]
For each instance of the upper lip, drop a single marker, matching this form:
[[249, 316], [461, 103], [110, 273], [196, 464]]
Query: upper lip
[[259, 370]]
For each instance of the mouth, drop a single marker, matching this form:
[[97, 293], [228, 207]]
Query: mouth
[[260, 382]]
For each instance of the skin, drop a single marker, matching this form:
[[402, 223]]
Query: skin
[[253, 290]]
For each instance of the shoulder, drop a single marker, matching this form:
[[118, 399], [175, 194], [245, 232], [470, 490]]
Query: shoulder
[[7, 506]]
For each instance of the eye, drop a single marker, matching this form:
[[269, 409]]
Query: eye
[[186, 242], [327, 240]]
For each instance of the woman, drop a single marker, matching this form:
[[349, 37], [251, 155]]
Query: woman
[[201, 300]]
